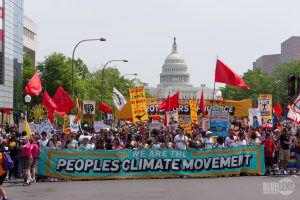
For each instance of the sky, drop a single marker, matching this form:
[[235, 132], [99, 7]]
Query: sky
[[236, 31]]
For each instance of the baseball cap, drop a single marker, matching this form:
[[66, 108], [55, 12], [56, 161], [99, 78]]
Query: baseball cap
[[208, 133]]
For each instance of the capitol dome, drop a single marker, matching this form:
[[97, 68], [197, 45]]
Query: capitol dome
[[174, 70]]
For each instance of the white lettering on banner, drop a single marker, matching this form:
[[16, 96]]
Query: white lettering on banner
[[145, 164]]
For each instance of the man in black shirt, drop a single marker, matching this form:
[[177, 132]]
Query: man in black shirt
[[285, 143]]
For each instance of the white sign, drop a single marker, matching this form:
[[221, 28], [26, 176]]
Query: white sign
[[74, 127], [98, 125], [172, 118]]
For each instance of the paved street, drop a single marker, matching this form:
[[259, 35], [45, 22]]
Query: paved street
[[244, 188]]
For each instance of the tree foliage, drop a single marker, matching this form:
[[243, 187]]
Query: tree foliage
[[261, 83]]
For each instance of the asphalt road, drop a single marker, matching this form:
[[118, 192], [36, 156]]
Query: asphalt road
[[243, 188]]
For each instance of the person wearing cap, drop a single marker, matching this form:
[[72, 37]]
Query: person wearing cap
[[230, 141], [27, 159], [208, 141], [85, 144]]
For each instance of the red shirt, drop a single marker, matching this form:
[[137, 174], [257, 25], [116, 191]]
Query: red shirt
[[270, 147]]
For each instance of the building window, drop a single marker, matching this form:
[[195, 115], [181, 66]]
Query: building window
[[28, 33]]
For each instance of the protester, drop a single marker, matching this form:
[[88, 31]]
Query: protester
[[70, 142], [43, 142], [270, 147], [3, 175], [285, 143], [55, 142], [85, 144], [15, 153], [208, 141], [27, 159], [180, 140], [297, 151], [35, 151]]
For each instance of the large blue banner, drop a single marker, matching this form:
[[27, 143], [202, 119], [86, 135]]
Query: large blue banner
[[150, 163]]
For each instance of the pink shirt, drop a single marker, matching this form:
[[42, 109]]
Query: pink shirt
[[26, 152], [35, 150]]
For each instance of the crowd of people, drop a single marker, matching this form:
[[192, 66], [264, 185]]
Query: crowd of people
[[25, 150]]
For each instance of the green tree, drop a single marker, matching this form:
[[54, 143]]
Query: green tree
[[260, 83]]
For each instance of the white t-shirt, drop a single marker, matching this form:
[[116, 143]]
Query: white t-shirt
[[208, 143], [242, 142], [43, 143], [229, 142], [86, 147], [180, 142]]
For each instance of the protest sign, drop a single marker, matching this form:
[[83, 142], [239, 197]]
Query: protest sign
[[172, 118], [88, 107], [193, 111], [186, 124], [237, 109], [150, 163], [219, 122], [98, 125], [138, 104], [74, 127], [266, 111], [255, 117]]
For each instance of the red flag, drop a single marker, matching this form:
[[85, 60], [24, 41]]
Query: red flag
[[63, 102], [224, 74], [104, 108], [48, 102], [167, 109], [173, 102], [34, 86], [278, 109], [6, 111], [202, 105]]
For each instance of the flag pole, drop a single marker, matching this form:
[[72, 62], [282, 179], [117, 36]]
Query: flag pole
[[212, 104]]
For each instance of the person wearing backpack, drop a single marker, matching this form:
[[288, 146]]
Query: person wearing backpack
[[3, 174]]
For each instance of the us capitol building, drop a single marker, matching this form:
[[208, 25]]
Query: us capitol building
[[175, 77]]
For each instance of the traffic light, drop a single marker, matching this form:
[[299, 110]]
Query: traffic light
[[292, 86], [298, 86]]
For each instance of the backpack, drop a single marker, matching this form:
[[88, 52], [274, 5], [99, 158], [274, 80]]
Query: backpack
[[7, 162]]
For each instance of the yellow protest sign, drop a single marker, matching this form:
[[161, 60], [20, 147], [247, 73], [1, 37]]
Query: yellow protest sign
[[138, 104], [66, 124], [193, 111]]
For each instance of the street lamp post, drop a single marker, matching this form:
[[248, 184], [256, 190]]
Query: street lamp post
[[129, 75], [102, 79], [27, 100], [86, 40]]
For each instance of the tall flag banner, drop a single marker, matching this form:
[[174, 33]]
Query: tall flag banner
[[172, 118], [265, 107], [202, 104], [27, 128], [278, 109], [79, 107], [34, 86], [66, 124], [88, 107], [138, 104], [193, 110], [74, 127], [224, 74], [255, 117], [50, 105], [104, 108], [63, 101], [173, 103], [118, 99], [294, 111]]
